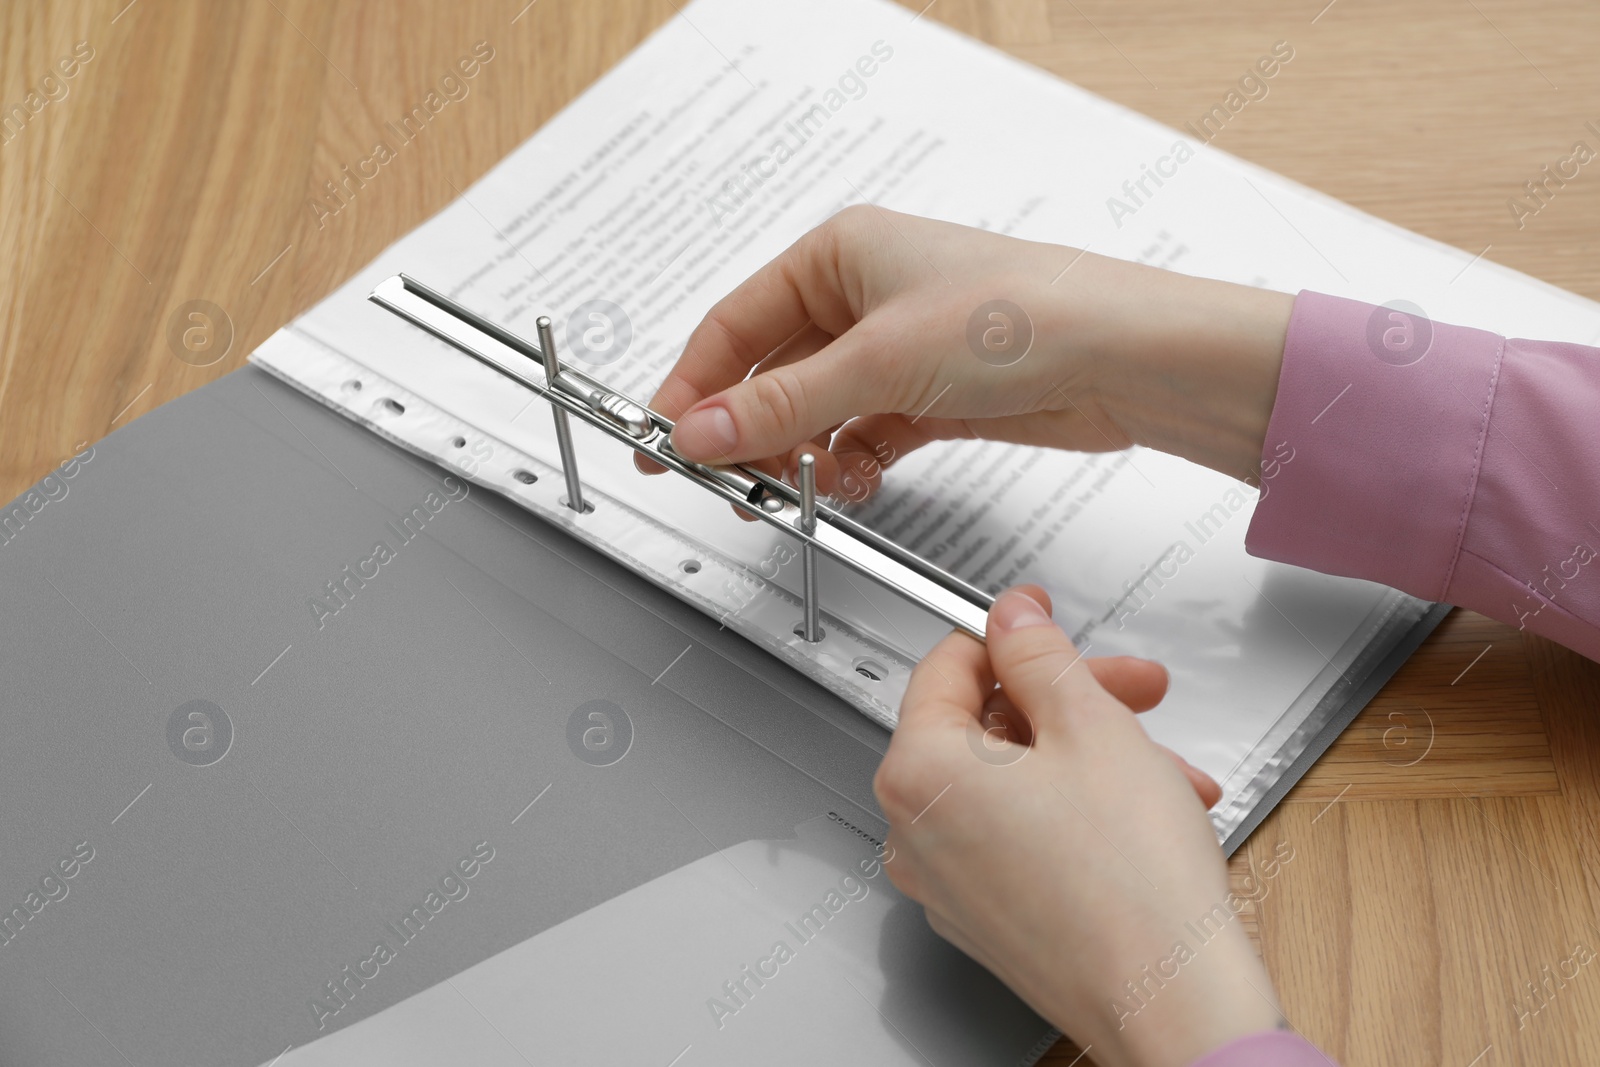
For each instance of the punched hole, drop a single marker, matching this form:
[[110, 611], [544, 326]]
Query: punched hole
[[393, 407], [525, 477], [800, 631], [871, 670], [459, 442], [690, 566]]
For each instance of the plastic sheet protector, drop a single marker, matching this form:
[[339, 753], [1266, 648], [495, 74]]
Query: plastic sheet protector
[[723, 138]]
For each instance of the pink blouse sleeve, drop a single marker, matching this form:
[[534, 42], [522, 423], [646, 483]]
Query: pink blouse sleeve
[[1448, 462], [1271, 1048]]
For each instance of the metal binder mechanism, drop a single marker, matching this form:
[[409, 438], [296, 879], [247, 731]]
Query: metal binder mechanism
[[795, 511]]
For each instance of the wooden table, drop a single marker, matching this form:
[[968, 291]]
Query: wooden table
[[1447, 849]]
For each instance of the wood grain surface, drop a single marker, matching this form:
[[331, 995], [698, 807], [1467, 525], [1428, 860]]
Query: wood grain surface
[[1447, 849]]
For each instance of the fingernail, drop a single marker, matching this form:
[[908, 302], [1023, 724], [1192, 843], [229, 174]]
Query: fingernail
[[1018, 611], [706, 431]]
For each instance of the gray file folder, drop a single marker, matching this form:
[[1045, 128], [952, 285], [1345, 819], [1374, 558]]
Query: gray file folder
[[312, 750]]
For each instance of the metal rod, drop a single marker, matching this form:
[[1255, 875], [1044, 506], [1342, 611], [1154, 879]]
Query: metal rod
[[758, 494], [569, 458], [808, 553]]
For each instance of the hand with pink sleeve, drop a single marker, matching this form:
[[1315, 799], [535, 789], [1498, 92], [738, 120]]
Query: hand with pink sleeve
[[1444, 461]]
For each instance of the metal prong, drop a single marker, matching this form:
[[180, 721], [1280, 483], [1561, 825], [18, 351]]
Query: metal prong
[[569, 459], [812, 623], [837, 536]]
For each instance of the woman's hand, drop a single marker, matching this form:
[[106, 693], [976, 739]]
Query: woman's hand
[[1052, 841], [878, 332], [1042, 830]]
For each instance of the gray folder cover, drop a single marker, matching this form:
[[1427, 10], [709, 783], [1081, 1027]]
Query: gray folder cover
[[297, 728]]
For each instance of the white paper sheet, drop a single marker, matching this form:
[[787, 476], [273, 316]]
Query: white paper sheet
[[662, 187]]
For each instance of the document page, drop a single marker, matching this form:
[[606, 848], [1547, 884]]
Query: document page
[[737, 127]]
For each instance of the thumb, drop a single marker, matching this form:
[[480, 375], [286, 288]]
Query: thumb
[[773, 411], [1037, 668], [1034, 661]]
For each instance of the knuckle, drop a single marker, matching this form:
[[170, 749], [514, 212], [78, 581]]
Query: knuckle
[[719, 321], [1047, 639], [1044, 653], [1041, 656], [852, 217], [895, 785], [851, 230], [859, 477], [779, 398]]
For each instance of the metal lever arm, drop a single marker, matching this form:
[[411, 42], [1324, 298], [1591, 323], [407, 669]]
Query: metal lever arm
[[767, 498]]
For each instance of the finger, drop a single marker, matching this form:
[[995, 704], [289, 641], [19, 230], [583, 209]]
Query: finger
[[799, 287], [999, 710], [746, 326], [827, 465], [868, 446], [1002, 714], [808, 342], [758, 317], [769, 414], [948, 688], [1034, 661], [1205, 786], [1139, 683], [1038, 594], [888, 437]]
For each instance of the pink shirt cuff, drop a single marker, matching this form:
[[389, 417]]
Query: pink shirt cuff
[[1376, 458], [1271, 1048], [1448, 462]]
